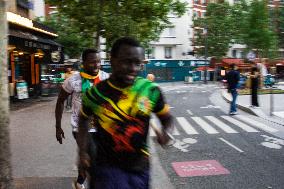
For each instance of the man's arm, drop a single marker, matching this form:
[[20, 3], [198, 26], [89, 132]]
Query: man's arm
[[63, 95], [162, 111], [83, 139], [167, 126]]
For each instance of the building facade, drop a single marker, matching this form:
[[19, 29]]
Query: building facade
[[175, 40], [31, 49]]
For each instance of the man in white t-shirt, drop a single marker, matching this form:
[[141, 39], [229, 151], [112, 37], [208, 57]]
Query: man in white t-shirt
[[75, 85]]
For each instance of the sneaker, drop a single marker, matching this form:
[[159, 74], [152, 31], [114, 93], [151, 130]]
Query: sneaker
[[76, 185], [233, 113]]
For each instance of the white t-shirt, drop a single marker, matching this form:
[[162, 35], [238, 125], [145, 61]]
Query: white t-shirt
[[73, 85]]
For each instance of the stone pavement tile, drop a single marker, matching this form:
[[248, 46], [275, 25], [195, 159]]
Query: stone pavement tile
[[44, 183]]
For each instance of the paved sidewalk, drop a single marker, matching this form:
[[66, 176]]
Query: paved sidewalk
[[39, 162], [244, 102]]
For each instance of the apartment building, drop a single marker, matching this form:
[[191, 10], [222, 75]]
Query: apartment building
[[175, 40]]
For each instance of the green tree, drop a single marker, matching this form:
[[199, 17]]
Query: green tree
[[143, 19], [69, 34], [259, 35], [281, 26], [214, 30], [5, 154]]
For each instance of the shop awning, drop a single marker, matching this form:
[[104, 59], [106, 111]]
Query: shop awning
[[30, 36], [203, 68]]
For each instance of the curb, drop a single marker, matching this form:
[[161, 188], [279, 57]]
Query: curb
[[242, 107], [259, 113]]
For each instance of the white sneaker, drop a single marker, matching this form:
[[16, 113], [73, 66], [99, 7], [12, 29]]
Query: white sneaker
[[76, 185], [233, 113]]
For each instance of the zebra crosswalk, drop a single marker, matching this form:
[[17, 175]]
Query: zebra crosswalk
[[214, 125]]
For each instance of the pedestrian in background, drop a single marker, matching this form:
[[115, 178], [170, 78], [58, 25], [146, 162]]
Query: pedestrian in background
[[233, 78], [122, 106], [254, 86], [75, 85], [151, 77], [69, 72]]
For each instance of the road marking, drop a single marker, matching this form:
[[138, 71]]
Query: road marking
[[256, 124], [240, 124], [189, 112], [186, 126], [204, 125], [221, 124], [175, 131], [157, 126], [279, 114], [230, 144], [210, 106]]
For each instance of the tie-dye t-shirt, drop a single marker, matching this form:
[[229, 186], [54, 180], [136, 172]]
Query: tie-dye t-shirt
[[122, 120]]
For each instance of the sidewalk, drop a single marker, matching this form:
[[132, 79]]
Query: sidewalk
[[40, 162], [244, 101]]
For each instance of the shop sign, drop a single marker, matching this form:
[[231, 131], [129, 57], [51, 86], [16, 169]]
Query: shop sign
[[36, 45], [22, 90], [55, 56]]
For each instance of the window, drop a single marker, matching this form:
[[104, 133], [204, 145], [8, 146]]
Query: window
[[242, 54], [195, 14], [151, 53], [169, 32], [168, 52], [234, 53]]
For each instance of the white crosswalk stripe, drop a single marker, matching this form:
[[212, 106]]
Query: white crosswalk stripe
[[204, 125], [227, 124], [240, 124], [186, 126], [157, 126], [175, 131], [221, 124], [279, 114], [256, 123]]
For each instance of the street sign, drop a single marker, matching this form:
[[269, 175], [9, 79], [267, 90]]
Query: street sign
[[22, 90]]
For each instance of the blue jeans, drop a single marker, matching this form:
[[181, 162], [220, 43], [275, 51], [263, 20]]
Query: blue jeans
[[234, 93]]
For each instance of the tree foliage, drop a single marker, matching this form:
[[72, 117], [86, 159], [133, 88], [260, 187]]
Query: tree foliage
[[259, 35], [214, 30], [143, 19], [239, 23], [69, 34], [280, 21]]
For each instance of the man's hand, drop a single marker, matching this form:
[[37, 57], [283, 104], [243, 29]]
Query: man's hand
[[59, 134], [163, 138]]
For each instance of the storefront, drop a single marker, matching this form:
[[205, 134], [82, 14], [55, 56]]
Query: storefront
[[31, 50]]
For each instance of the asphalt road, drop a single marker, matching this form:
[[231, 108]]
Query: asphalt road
[[237, 158], [215, 151]]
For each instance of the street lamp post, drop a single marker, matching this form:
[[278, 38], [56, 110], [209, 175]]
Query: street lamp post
[[205, 55]]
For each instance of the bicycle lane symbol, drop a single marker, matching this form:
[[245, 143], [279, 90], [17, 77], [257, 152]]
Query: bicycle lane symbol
[[271, 142], [183, 144]]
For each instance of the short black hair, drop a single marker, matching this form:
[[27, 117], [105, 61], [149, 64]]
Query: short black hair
[[232, 66], [121, 42], [86, 52]]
